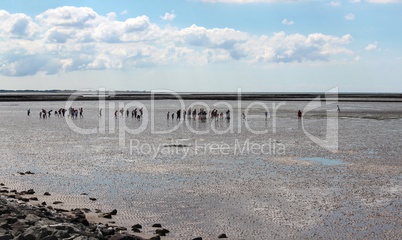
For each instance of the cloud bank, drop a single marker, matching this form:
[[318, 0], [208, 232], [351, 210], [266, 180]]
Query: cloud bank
[[69, 39]]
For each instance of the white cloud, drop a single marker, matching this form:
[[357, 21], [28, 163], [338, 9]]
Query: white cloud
[[16, 25], [354, 1], [111, 15], [349, 17], [287, 22], [124, 12], [68, 16], [77, 39], [371, 47], [335, 3], [168, 16]]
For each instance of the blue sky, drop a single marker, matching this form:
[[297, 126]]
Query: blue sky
[[202, 45]]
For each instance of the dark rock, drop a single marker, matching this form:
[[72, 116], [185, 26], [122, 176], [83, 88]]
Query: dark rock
[[157, 225], [79, 217], [107, 231], [33, 199], [43, 203], [87, 210], [32, 218], [50, 238], [62, 234], [3, 191], [161, 232], [30, 191], [13, 191], [25, 199], [92, 199], [57, 202], [136, 230], [45, 231], [197, 238], [84, 194], [137, 226], [60, 210], [21, 173], [1, 184], [125, 236], [29, 172], [6, 237], [46, 194], [77, 212], [222, 236], [11, 220], [5, 225], [113, 212]]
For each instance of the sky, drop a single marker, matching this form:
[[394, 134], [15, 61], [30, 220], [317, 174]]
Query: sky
[[202, 45]]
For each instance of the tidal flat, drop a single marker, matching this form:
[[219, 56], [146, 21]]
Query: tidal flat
[[254, 178]]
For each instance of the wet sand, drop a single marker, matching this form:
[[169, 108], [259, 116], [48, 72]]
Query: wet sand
[[246, 196]]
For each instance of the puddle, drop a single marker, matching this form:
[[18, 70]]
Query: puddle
[[324, 161]]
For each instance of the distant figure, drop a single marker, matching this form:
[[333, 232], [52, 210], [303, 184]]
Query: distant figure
[[81, 111], [127, 113], [167, 115], [115, 114], [194, 113], [299, 114], [178, 113], [135, 113], [122, 112], [172, 116], [29, 111], [339, 110], [100, 112], [244, 116], [228, 115], [266, 115]]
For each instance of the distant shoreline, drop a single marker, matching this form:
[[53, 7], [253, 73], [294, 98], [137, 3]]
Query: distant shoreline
[[23, 96]]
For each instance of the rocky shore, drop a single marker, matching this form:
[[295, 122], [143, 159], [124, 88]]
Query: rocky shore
[[22, 217], [21, 220]]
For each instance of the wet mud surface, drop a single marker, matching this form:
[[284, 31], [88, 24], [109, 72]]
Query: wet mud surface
[[287, 190]]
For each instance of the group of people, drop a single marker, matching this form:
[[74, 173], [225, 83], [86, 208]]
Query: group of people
[[200, 115], [135, 113], [72, 112]]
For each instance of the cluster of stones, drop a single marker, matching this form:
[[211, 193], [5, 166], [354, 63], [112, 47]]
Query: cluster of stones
[[22, 221]]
